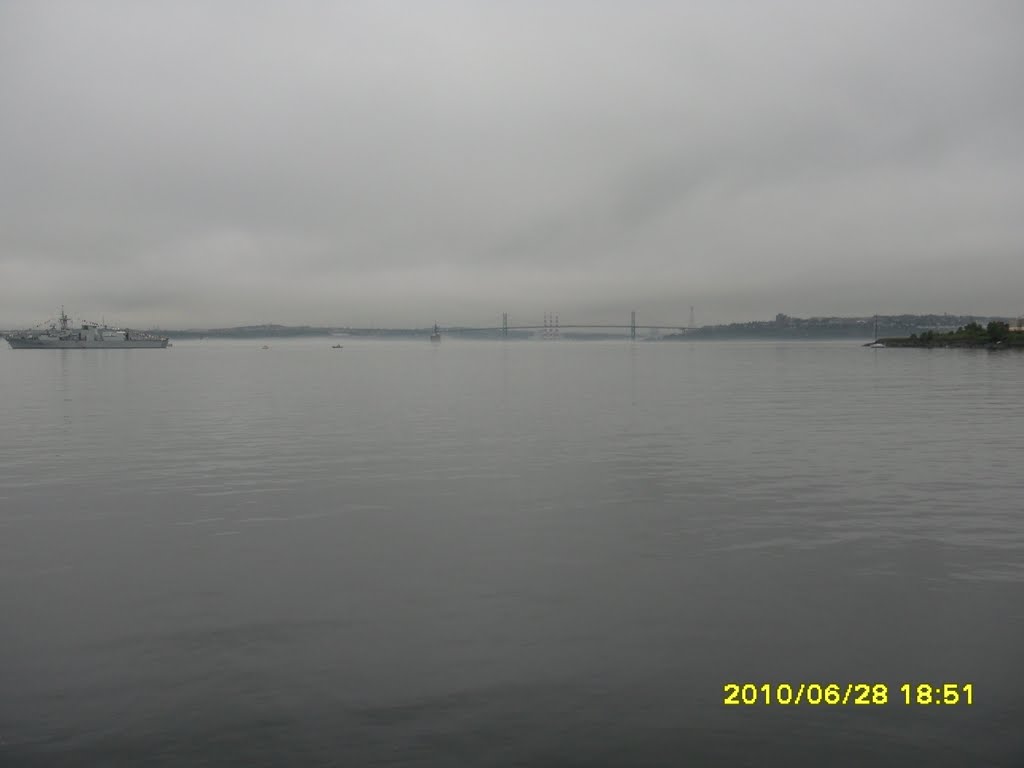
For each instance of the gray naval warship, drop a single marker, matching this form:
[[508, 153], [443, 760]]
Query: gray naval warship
[[60, 335]]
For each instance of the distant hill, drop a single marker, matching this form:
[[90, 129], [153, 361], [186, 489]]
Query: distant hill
[[787, 327], [282, 331]]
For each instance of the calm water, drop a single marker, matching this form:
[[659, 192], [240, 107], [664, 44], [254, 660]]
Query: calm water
[[507, 554]]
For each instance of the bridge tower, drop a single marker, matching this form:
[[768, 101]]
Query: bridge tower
[[504, 324], [632, 325]]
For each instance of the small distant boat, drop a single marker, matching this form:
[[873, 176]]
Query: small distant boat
[[265, 347], [336, 346], [436, 335]]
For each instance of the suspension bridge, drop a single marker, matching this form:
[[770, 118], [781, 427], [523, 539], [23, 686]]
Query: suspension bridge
[[551, 327]]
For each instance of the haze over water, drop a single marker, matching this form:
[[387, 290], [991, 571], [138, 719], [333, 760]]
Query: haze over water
[[521, 553]]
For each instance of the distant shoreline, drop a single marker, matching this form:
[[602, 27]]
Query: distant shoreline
[[896, 330], [905, 343], [995, 335], [783, 327]]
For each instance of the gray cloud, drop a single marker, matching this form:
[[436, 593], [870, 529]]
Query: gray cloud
[[206, 163]]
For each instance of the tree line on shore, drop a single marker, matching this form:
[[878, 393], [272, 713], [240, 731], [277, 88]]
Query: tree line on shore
[[996, 333]]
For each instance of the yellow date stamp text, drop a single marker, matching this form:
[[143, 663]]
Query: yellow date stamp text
[[848, 694]]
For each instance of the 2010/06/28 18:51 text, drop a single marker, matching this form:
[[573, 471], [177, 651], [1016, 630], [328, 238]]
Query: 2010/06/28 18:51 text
[[857, 694]]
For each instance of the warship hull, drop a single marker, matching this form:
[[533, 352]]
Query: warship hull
[[35, 343]]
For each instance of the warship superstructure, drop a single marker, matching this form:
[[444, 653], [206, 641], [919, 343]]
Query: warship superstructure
[[60, 335]]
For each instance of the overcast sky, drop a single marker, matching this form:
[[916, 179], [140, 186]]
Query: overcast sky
[[190, 164]]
